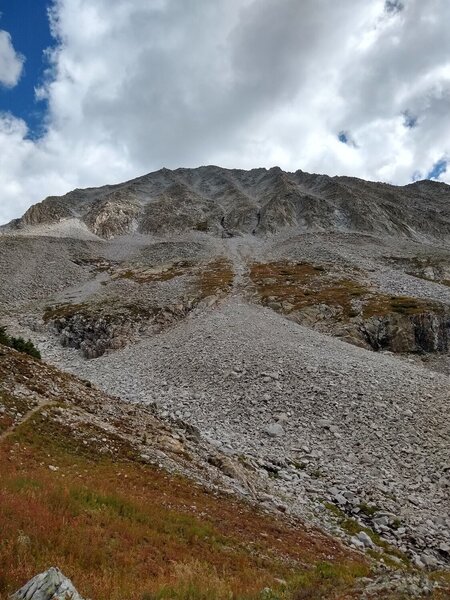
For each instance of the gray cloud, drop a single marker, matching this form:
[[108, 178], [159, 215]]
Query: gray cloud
[[137, 85]]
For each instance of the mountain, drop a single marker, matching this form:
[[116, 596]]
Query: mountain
[[229, 202], [290, 331]]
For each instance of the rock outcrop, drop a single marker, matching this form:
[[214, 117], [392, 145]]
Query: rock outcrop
[[427, 332], [113, 215], [50, 210], [50, 585]]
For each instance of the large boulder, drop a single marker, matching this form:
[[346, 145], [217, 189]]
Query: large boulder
[[50, 585]]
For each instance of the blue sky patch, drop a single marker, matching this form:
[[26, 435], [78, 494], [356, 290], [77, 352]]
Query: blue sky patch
[[393, 6], [345, 138], [438, 169], [27, 22], [409, 120]]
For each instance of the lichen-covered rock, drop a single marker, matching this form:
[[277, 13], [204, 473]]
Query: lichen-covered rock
[[50, 585]]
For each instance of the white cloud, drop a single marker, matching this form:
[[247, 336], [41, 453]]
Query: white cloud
[[11, 62], [137, 85]]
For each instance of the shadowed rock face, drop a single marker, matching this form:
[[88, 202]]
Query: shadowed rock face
[[230, 202], [427, 332], [50, 585]]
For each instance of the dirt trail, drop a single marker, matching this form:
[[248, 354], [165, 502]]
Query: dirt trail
[[24, 419], [239, 254]]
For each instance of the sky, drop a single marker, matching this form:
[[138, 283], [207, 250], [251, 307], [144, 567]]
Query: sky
[[95, 92]]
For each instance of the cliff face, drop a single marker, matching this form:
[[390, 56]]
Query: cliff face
[[227, 203]]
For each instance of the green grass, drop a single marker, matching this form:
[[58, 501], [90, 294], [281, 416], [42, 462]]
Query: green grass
[[368, 510]]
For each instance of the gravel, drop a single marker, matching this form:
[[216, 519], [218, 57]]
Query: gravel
[[313, 412], [337, 431]]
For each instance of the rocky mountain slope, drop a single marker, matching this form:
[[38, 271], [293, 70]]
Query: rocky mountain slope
[[131, 506], [299, 324], [228, 202]]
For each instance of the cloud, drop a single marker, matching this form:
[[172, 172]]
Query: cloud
[[11, 62], [133, 86]]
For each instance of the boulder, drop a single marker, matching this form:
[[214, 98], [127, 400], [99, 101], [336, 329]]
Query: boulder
[[274, 430], [50, 585]]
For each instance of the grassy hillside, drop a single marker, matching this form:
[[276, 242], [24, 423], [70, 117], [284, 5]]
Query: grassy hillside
[[76, 493]]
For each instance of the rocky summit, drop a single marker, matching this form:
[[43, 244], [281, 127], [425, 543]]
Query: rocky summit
[[289, 333], [229, 202]]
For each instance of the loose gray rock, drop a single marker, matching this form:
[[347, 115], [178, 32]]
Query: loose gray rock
[[274, 430], [365, 539], [50, 585]]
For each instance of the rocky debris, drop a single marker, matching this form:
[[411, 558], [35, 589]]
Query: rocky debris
[[427, 266], [96, 330], [351, 440], [331, 416], [50, 585], [339, 300], [399, 585], [105, 425]]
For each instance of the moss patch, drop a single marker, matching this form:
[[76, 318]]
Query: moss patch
[[215, 278], [302, 285]]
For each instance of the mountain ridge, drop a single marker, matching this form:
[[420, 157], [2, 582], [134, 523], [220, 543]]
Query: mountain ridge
[[232, 202]]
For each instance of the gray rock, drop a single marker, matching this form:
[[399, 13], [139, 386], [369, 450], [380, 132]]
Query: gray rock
[[365, 539], [50, 585], [274, 430], [340, 499], [428, 560], [357, 543], [258, 201]]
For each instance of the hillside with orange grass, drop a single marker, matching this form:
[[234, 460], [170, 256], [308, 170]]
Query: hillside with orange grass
[[78, 491], [80, 496]]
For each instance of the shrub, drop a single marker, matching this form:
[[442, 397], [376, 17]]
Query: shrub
[[19, 344]]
